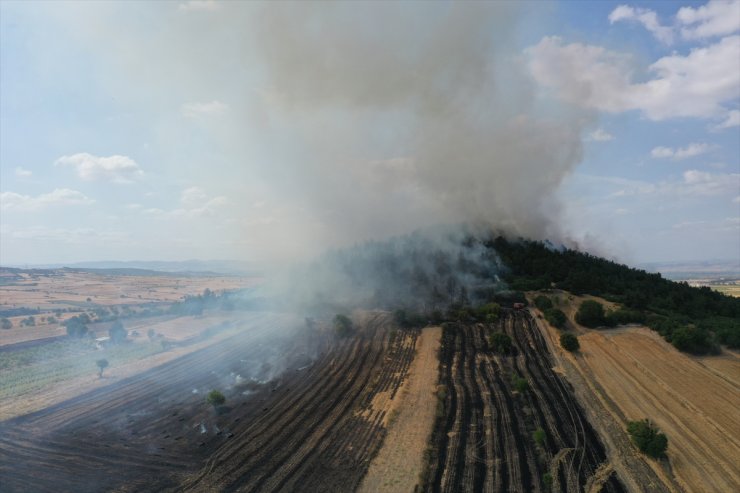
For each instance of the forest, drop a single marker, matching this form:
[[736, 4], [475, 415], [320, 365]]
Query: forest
[[693, 319]]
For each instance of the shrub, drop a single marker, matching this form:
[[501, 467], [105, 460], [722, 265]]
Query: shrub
[[648, 438], [569, 342], [488, 313], [547, 479], [590, 314], [520, 384], [215, 398], [555, 317], [6, 323], [500, 342], [539, 436], [624, 316], [693, 339], [543, 303]]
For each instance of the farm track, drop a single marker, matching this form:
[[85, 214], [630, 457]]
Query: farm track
[[314, 428], [484, 442]]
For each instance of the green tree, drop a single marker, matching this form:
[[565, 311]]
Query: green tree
[[569, 342], [543, 303], [555, 317], [102, 364], [590, 314], [6, 324], [488, 313], [500, 342], [648, 438], [215, 398], [342, 325], [76, 327], [117, 332]]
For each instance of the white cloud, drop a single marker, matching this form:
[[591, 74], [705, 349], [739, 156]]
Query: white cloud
[[716, 18], [193, 195], [693, 183], [732, 120], [196, 5], [23, 173], [693, 149], [736, 200], [695, 85], [600, 135], [116, 169], [60, 196], [697, 182], [196, 203], [195, 110], [646, 17]]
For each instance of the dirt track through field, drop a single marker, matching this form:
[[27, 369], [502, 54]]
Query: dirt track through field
[[399, 463], [697, 407]]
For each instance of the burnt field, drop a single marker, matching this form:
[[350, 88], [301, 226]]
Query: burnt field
[[313, 427], [485, 438]]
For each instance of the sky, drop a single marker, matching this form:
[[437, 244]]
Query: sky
[[269, 132]]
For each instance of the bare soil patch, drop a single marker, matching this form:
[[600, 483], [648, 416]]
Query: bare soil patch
[[399, 462]]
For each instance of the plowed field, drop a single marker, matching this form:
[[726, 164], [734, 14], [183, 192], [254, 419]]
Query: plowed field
[[314, 427], [485, 441]]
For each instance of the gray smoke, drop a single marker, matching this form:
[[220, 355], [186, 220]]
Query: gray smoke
[[438, 98], [350, 120]]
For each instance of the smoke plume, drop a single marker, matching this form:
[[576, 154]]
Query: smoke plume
[[337, 123]]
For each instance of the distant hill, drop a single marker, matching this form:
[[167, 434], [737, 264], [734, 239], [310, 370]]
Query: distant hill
[[146, 267], [708, 269]]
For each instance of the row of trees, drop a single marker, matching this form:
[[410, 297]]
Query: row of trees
[[557, 318]]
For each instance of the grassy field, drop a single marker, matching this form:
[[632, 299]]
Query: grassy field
[[728, 289]]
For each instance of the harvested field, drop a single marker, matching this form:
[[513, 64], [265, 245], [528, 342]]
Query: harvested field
[[695, 401], [484, 440], [313, 427], [52, 296], [65, 287]]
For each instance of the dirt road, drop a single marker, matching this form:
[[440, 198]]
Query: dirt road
[[399, 463]]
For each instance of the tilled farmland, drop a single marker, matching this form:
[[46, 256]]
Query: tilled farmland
[[315, 427], [484, 439]]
